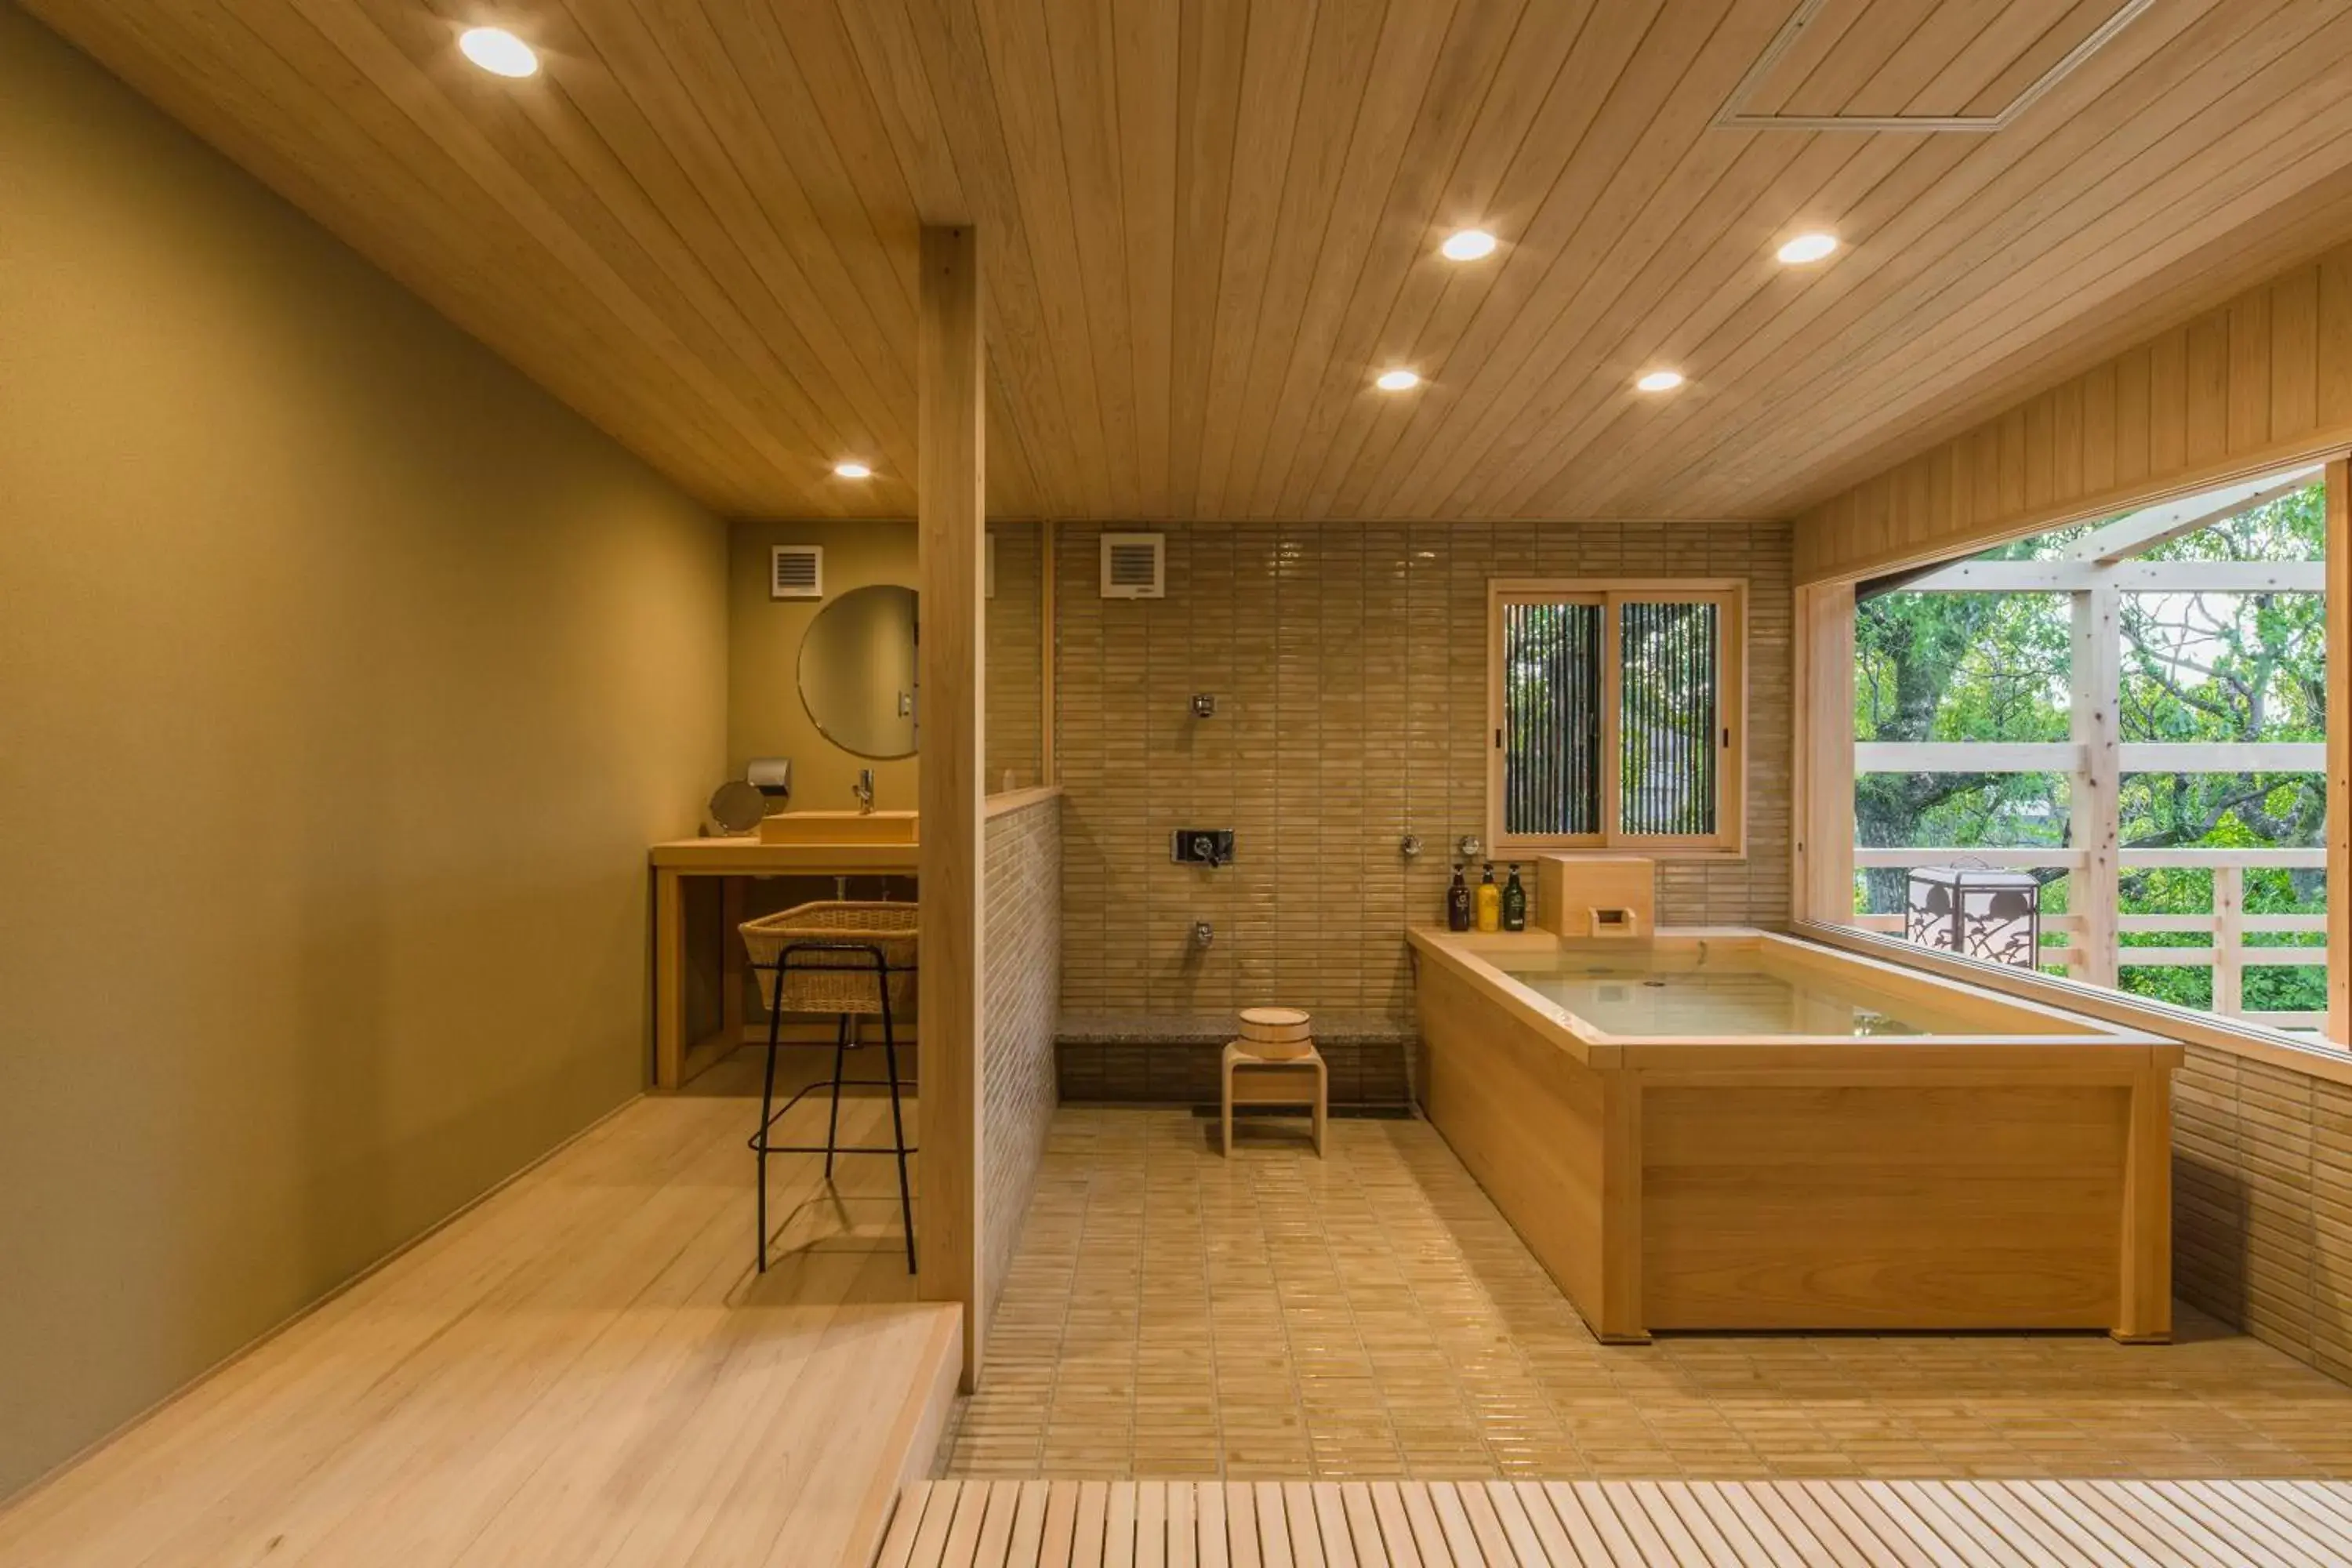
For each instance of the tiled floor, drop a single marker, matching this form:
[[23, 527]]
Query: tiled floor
[[1173, 1314]]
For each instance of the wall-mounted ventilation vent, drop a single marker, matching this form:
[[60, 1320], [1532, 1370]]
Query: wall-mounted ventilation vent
[[796, 571], [1134, 565], [1778, 92]]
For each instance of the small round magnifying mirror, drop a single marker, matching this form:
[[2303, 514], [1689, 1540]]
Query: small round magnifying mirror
[[738, 807], [857, 671]]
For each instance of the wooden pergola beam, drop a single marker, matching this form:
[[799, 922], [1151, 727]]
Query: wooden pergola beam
[[2068, 756], [2130, 576], [2144, 530]]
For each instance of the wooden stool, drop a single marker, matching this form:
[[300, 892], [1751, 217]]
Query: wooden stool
[[1252, 1079]]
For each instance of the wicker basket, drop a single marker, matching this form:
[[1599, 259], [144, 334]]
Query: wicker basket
[[845, 982]]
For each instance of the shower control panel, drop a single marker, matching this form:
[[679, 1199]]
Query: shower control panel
[[1211, 846]]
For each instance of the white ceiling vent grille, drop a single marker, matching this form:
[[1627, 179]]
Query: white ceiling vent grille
[[1790, 48], [796, 571], [1134, 565]]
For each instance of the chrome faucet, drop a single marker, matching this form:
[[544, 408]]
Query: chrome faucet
[[864, 790]]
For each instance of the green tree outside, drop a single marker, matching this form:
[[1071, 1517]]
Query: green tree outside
[[2196, 667]]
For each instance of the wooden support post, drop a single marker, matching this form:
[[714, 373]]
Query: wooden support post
[[669, 979], [1621, 1217], [1822, 778], [2228, 939], [2095, 889], [734, 962], [950, 517], [2339, 750], [2144, 1295]]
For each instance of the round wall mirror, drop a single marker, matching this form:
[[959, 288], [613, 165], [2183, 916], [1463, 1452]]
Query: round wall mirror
[[857, 671]]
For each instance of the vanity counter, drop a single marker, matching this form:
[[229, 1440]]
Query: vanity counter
[[747, 857], [732, 861]]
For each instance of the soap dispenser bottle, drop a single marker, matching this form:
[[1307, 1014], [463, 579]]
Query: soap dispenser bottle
[[1490, 900], [1457, 902], [1515, 902]]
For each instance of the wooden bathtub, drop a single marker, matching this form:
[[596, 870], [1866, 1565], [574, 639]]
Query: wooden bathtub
[[2009, 1170]]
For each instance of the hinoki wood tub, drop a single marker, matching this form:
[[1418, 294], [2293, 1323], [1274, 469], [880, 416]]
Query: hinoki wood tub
[[1734, 1129]]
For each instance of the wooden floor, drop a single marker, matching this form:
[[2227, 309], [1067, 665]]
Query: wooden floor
[[1620, 1524], [583, 1369]]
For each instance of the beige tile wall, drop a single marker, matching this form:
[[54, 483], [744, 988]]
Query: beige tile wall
[[2262, 1197], [1348, 662], [1020, 979]]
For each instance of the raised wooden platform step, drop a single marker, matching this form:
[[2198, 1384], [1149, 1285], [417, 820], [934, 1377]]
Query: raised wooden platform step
[[584, 1369], [1619, 1524]]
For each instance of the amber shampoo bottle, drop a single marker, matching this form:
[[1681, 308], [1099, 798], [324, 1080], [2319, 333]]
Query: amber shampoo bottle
[[1490, 900], [1457, 903]]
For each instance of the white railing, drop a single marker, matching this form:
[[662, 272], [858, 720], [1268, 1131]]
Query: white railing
[[2227, 923]]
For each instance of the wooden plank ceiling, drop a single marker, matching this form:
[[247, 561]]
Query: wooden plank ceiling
[[1208, 224]]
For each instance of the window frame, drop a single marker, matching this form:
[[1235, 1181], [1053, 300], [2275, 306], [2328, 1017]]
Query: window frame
[[1730, 838]]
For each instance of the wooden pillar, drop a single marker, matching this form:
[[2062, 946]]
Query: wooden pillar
[[2339, 751], [950, 518], [1822, 776], [2228, 939], [2097, 786], [669, 979]]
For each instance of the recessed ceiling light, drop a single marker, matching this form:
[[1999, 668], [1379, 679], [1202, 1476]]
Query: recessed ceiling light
[[1467, 245], [852, 471], [1807, 248], [1397, 381], [1661, 381], [497, 51]]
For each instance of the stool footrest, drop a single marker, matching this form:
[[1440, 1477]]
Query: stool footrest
[[826, 1083], [837, 1149]]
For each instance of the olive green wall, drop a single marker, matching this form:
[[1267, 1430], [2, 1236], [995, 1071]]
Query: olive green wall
[[345, 678], [766, 717]]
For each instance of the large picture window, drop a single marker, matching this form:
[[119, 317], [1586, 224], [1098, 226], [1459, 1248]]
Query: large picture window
[[1616, 711]]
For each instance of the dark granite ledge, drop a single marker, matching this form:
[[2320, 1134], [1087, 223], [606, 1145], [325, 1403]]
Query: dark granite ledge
[[1148, 1029]]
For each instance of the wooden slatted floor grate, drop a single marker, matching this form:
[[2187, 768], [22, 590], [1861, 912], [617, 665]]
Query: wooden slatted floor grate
[[1620, 1524]]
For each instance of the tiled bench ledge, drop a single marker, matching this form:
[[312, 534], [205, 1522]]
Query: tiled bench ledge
[[1216, 1028], [1132, 1057]]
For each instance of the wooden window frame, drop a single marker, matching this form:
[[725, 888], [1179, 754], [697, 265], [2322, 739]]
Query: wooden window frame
[[1730, 841]]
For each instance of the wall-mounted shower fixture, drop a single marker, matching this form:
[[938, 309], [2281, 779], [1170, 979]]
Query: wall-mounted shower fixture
[[1203, 933], [1210, 846], [1203, 705], [1469, 845], [1409, 845]]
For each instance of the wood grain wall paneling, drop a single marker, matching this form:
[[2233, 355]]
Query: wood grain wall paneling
[[2259, 383]]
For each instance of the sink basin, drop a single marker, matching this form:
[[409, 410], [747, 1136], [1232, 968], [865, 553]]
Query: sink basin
[[839, 827]]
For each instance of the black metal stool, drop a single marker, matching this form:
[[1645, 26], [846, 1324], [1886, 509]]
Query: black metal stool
[[848, 959]]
